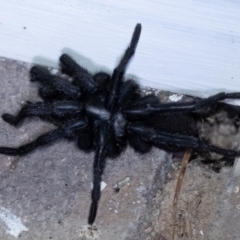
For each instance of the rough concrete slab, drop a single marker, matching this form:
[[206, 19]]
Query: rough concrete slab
[[198, 203], [225, 224], [208, 205], [46, 194]]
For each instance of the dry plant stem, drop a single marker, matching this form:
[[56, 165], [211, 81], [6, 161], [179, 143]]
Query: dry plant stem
[[185, 160]]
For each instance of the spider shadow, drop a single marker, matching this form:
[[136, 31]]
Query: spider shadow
[[92, 67], [83, 61]]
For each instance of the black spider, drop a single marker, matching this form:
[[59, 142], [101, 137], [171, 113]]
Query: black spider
[[103, 113]]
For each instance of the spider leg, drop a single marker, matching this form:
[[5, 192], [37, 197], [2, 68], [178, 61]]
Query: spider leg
[[98, 167], [45, 139], [85, 138], [216, 98], [129, 52], [67, 130], [54, 83], [43, 109], [138, 143], [145, 109], [129, 88], [210, 147], [82, 77], [48, 93], [120, 69], [116, 144], [141, 110], [176, 141]]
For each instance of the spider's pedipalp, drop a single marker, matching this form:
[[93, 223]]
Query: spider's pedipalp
[[81, 76], [54, 84]]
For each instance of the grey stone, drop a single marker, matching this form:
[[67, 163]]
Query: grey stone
[[49, 189]]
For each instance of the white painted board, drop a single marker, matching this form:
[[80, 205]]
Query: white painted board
[[188, 47]]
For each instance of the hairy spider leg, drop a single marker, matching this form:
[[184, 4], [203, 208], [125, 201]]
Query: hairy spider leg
[[128, 89], [176, 140], [53, 84], [67, 130], [98, 167], [216, 98], [120, 69], [117, 136], [141, 110], [42, 109], [81, 76]]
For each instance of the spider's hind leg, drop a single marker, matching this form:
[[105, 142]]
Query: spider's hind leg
[[174, 142], [68, 130], [98, 168], [215, 98], [29, 110], [45, 139]]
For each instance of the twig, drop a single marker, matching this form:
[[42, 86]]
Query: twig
[[185, 160]]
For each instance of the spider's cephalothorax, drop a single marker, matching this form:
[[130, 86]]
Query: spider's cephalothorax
[[103, 113]]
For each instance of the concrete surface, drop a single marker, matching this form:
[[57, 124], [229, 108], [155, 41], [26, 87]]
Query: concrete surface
[[46, 194], [225, 224]]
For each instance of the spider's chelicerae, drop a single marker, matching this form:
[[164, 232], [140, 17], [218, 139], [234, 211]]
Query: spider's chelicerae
[[103, 113]]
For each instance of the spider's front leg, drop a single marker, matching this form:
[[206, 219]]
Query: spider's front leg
[[59, 110], [98, 167], [120, 69], [68, 130]]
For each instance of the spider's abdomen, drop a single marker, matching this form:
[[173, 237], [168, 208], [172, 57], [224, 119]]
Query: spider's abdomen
[[175, 123]]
